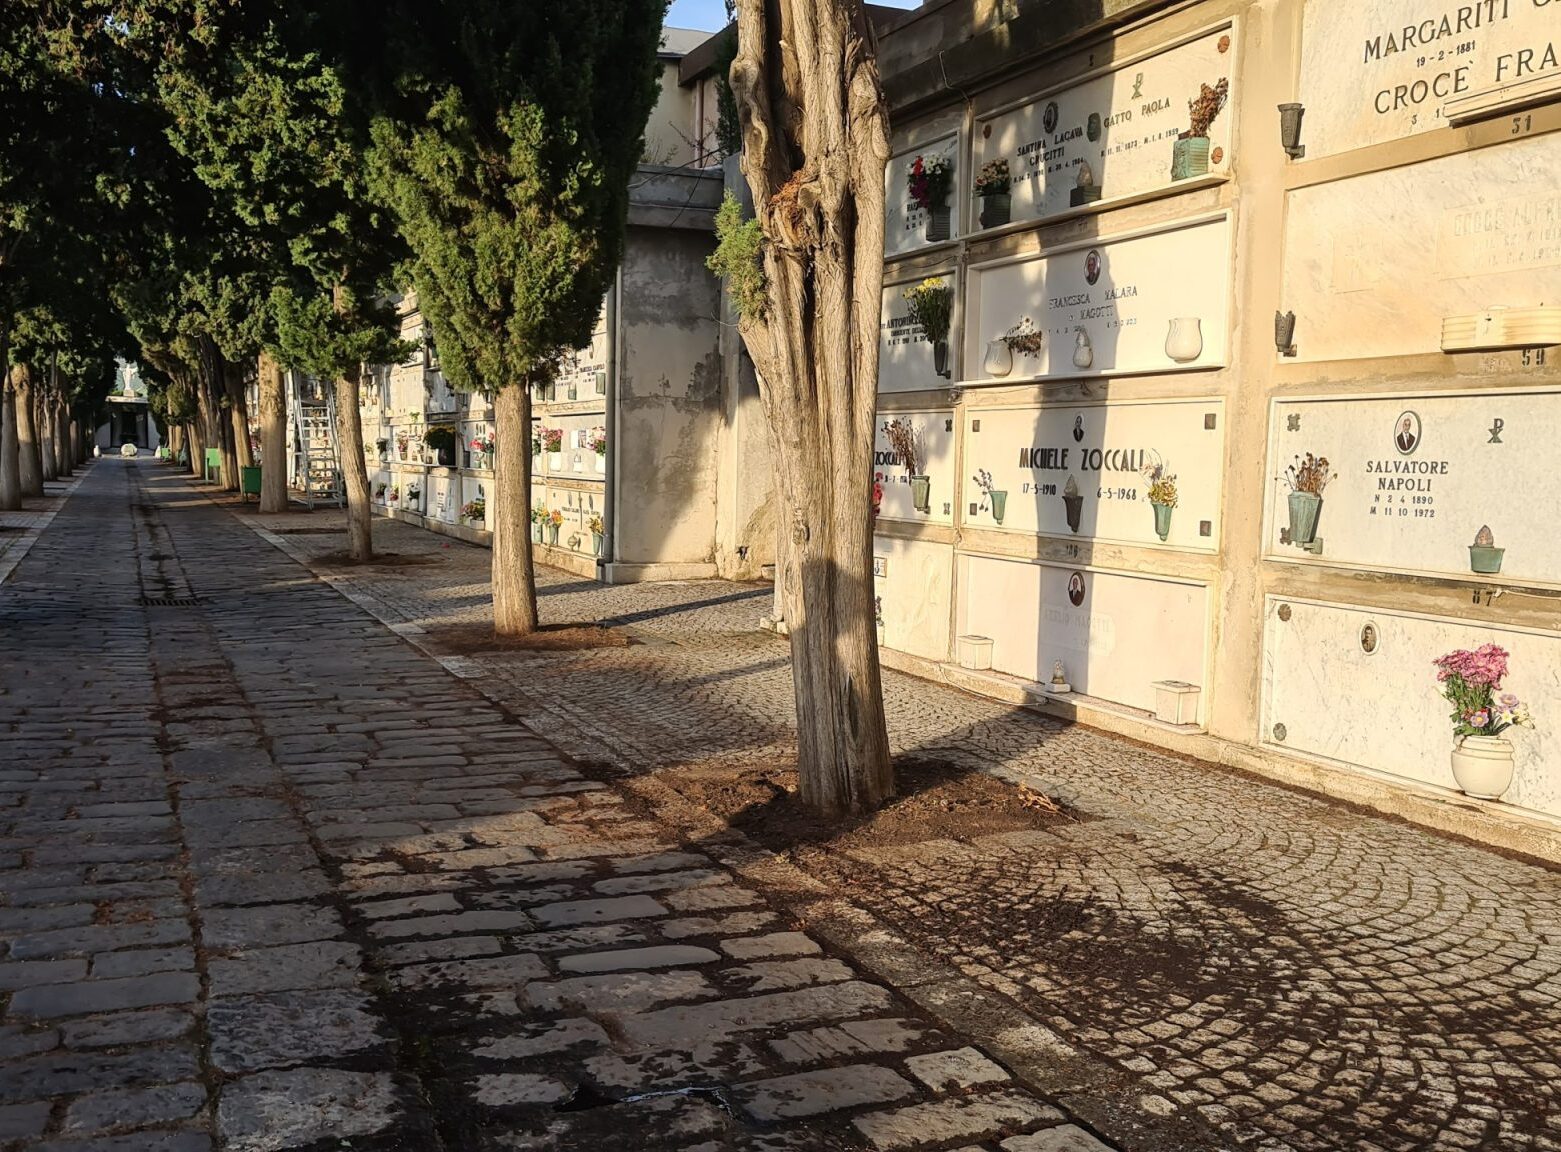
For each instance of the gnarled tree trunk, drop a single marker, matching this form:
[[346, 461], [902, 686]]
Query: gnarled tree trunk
[[509, 514], [815, 141], [29, 463], [273, 436], [354, 469]]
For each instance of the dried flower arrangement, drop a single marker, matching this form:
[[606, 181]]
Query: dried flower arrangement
[[1162, 485], [906, 442], [1309, 474], [1205, 107], [1026, 338]]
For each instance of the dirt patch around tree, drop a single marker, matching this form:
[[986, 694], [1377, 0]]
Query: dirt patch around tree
[[935, 800], [378, 560], [473, 639]]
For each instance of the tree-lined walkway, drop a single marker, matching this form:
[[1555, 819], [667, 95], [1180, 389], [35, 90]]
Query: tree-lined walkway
[[1203, 960], [274, 879]]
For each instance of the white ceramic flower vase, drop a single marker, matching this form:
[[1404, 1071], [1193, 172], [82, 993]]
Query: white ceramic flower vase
[[1482, 765], [1184, 342]]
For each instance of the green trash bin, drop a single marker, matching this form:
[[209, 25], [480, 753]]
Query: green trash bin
[[249, 481], [214, 465]]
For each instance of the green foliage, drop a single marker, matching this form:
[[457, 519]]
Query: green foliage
[[61, 192], [737, 257], [333, 340], [505, 151], [266, 104]]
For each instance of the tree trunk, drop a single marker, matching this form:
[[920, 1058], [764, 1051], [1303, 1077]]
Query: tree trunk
[[64, 461], [815, 133], [354, 470], [273, 436], [10, 464], [219, 429], [509, 514], [201, 427], [46, 396], [29, 461], [238, 412], [46, 458]]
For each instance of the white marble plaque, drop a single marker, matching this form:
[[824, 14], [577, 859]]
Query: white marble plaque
[[1413, 499], [1116, 634], [1374, 264], [443, 490], [905, 226], [1078, 471], [911, 588], [1376, 70], [1128, 297], [935, 434], [582, 373], [905, 355], [1317, 673], [1122, 123]]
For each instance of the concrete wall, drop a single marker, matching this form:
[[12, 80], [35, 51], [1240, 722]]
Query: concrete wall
[[669, 400], [672, 133], [1394, 220]]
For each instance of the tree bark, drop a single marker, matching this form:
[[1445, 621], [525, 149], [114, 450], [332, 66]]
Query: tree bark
[[815, 135], [46, 394], [354, 470], [509, 514], [29, 463], [273, 436], [238, 412], [46, 457], [64, 460], [10, 449], [202, 427]]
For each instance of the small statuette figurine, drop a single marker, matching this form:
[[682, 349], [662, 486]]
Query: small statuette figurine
[[1083, 351], [1085, 190], [1484, 556], [1059, 682]]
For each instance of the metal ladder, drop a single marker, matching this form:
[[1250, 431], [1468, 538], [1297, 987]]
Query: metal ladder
[[316, 473]]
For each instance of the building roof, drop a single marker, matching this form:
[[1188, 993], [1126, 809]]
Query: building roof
[[679, 42]]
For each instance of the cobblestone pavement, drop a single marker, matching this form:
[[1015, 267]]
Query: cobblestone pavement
[[1202, 960], [273, 879]]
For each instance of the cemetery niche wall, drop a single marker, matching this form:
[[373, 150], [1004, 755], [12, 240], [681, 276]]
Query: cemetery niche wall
[[1168, 291]]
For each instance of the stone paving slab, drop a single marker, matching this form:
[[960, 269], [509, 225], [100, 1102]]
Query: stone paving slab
[[1205, 960], [273, 879]]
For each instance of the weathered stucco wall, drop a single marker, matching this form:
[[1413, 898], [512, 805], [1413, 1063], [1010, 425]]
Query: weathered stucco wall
[[669, 400]]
